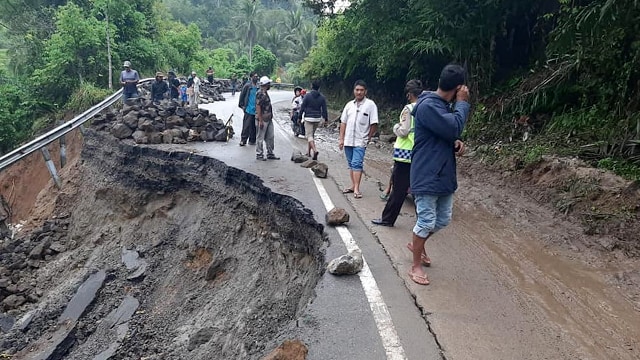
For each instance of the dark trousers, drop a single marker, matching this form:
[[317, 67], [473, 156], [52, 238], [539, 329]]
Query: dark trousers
[[248, 128], [401, 182]]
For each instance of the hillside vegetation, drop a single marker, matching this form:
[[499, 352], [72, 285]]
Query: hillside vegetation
[[560, 74]]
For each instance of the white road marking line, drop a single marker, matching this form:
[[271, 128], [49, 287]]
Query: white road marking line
[[381, 316]]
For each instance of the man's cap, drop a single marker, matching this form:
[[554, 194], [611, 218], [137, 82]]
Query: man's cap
[[159, 73], [127, 64], [265, 80], [193, 73]]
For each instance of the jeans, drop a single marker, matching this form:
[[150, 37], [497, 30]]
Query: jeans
[[355, 157], [248, 129], [266, 135], [434, 213], [129, 95]]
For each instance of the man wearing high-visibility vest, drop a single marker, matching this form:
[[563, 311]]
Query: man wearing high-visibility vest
[[401, 157]]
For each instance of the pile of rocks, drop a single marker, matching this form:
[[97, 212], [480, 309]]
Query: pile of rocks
[[165, 122], [21, 256]]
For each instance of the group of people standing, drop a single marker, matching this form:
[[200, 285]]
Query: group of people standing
[[186, 91], [428, 141], [257, 123]]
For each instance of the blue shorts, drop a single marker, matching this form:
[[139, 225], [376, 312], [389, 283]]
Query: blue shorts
[[434, 213], [355, 157]]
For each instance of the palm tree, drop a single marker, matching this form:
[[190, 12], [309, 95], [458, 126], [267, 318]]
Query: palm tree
[[248, 20], [305, 39]]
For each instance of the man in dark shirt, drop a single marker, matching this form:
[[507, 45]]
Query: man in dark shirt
[[159, 88], [264, 122], [247, 102], [174, 85], [313, 111], [210, 74], [433, 159]]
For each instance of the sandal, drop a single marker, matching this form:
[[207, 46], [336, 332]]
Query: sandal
[[347, 191], [426, 261], [419, 279], [357, 195], [384, 196]]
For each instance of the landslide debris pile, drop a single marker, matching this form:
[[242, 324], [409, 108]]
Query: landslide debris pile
[[158, 255], [165, 122]]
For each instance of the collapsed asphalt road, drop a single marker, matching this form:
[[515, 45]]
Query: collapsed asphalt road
[[171, 255]]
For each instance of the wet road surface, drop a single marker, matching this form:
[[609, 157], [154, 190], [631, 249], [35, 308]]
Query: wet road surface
[[497, 292]]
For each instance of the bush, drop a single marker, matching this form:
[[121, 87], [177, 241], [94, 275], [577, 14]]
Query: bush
[[86, 96]]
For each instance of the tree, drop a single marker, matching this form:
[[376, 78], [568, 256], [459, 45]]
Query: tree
[[74, 53], [264, 61], [248, 20]]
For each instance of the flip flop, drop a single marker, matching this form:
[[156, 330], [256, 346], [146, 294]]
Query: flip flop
[[347, 191], [426, 261], [419, 279], [357, 195]]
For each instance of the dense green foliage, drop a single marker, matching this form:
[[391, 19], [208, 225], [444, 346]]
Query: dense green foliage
[[563, 69], [18, 111], [67, 52]]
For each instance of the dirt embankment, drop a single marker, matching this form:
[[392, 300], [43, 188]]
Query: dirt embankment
[[604, 204], [224, 266], [21, 183]]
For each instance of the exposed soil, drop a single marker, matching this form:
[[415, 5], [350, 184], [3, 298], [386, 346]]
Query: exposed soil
[[239, 261], [22, 198]]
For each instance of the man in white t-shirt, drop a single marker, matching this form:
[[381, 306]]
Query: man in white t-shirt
[[358, 124]]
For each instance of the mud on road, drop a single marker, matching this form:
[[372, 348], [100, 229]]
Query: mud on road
[[515, 276], [168, 231]]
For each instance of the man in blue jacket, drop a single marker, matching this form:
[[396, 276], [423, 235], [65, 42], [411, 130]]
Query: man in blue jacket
[[433, 163]]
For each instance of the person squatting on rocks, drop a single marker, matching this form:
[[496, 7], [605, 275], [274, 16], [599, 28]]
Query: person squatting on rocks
[[194, 90], [129, 79], [159, 88], [433, 162], [399, 182], [358, 124], [174, 86], [264, 122], [247, 102], [312, 112], [295, 110]]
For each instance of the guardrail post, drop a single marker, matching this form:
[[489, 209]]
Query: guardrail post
[[63, 151], [51, 166]]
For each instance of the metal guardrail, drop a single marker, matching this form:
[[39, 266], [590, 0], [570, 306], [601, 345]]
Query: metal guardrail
[[42, 141]]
